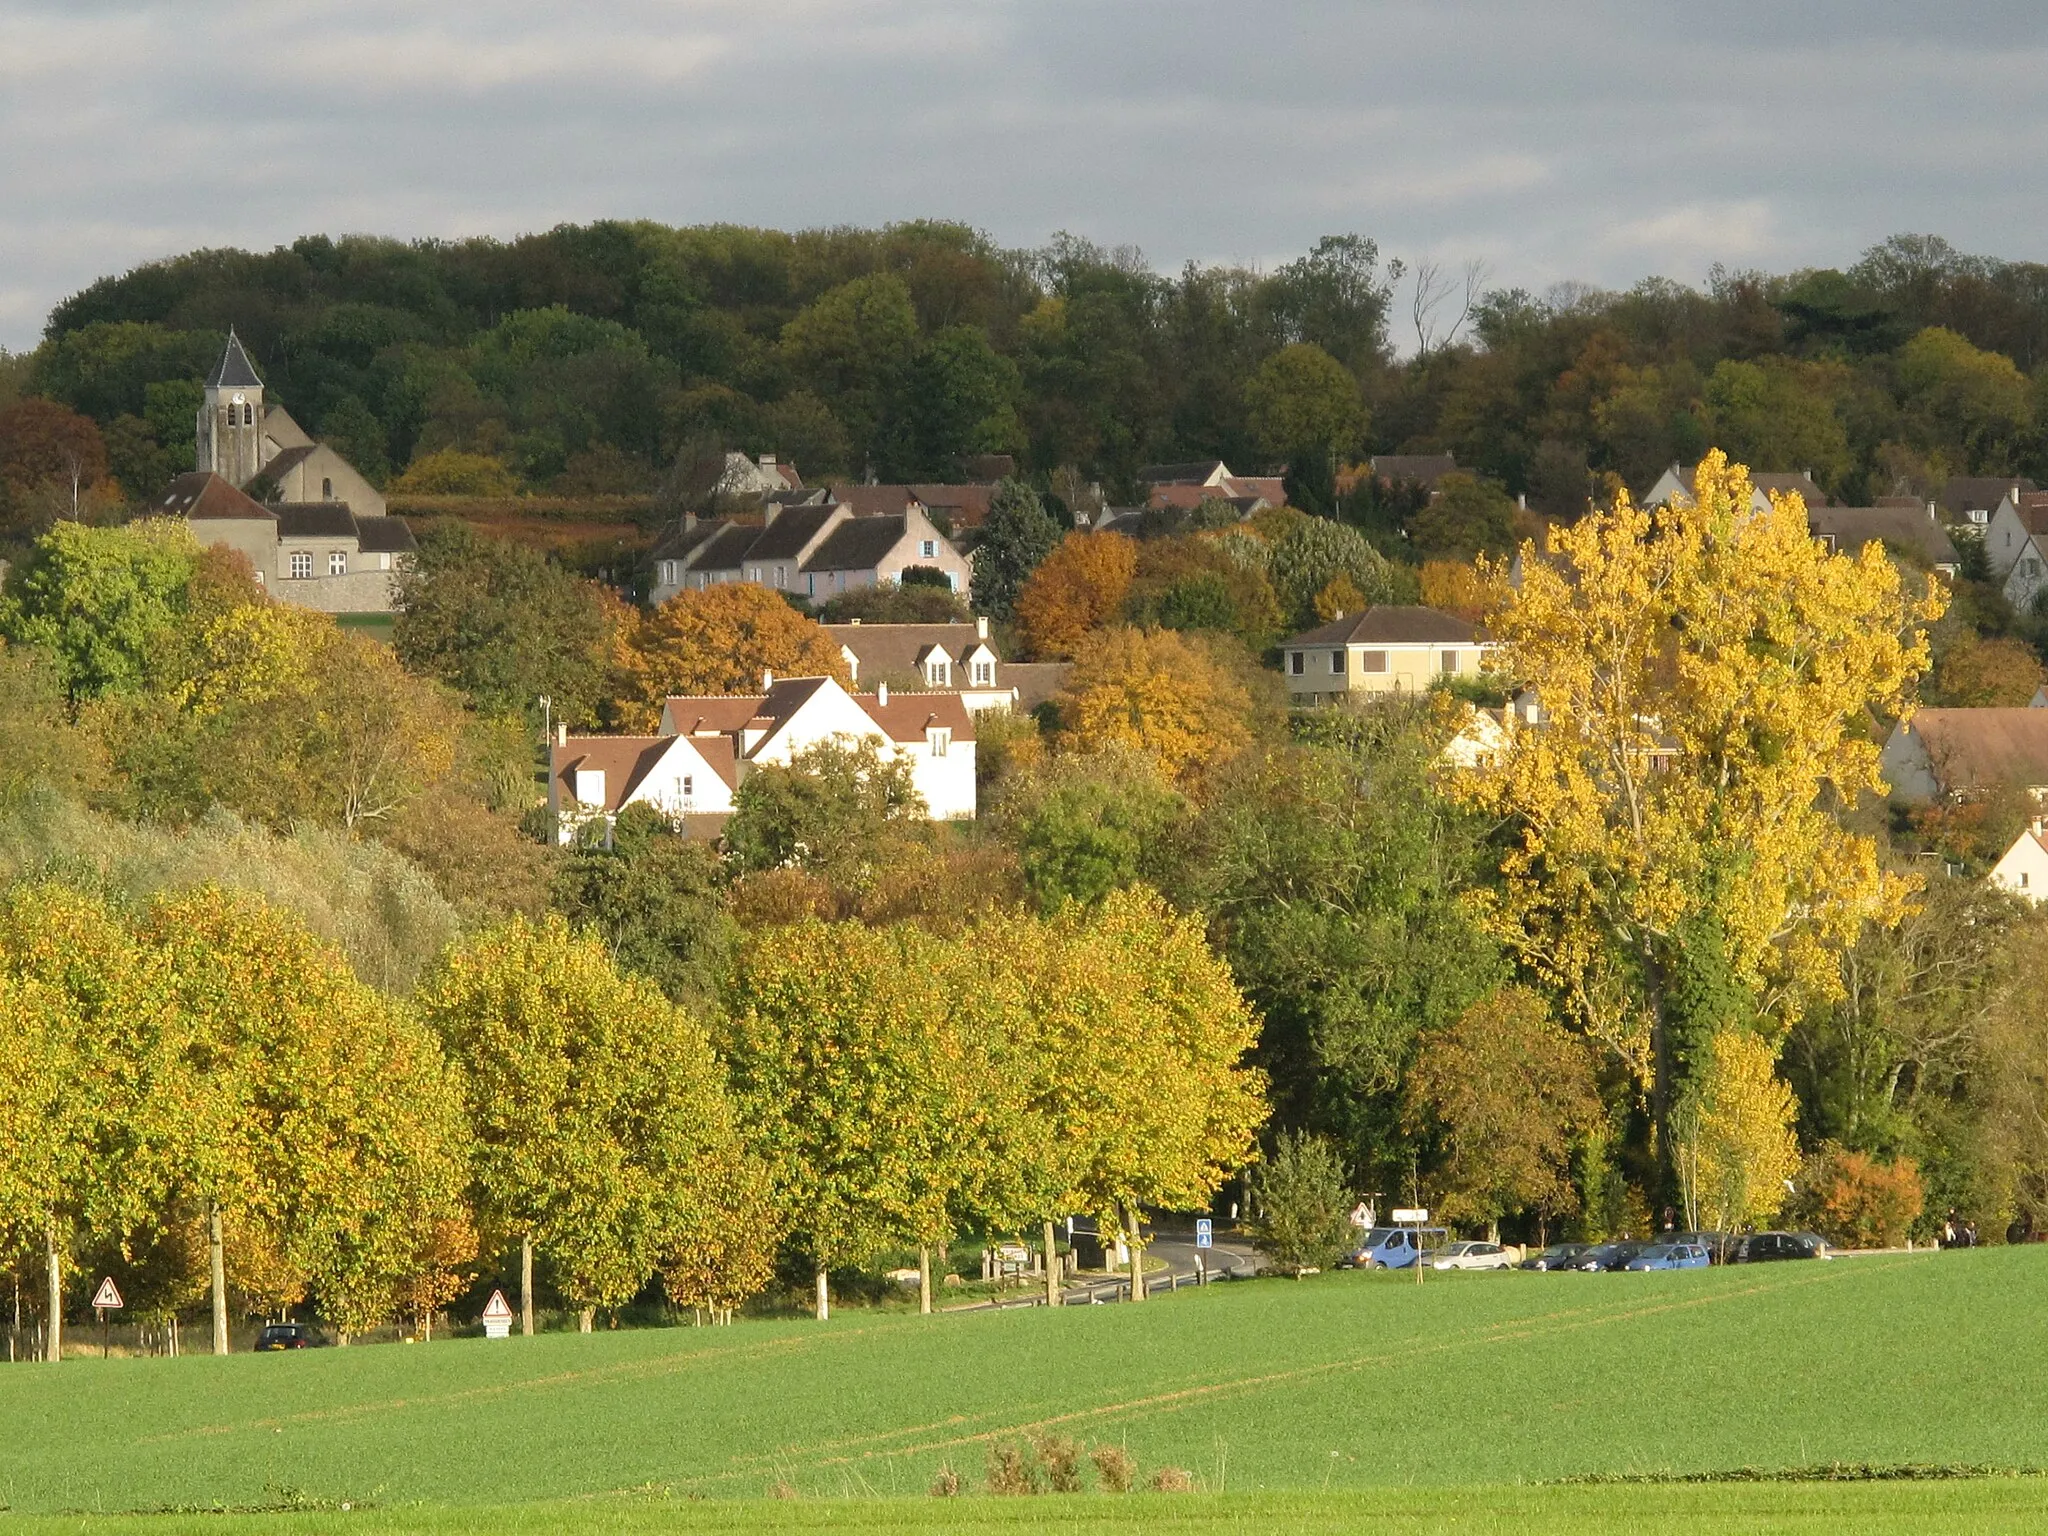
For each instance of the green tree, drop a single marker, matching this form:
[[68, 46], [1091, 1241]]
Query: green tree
[[888, 603], [1468, 516], [603, 1134], [1962, 400], [1780, 415], [656, 899], [1087, 824], [105, 604], [503, 625], [352, 430], [853, 346], [1018, 534], [1302, 401], [959, 397], [840, 809], [1302, 1204], [1313, 553]]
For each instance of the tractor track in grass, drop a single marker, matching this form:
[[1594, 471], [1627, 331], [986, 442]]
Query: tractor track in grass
[[954, 1432]]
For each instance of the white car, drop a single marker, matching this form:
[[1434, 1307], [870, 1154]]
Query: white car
[[1473, 1256]]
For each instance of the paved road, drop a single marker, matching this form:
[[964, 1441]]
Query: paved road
[[1230, 1259]]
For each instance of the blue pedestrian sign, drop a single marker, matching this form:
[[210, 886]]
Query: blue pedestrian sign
[[1204, 1233]]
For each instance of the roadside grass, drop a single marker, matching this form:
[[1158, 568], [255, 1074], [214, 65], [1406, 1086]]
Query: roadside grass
[[1294, 1406]]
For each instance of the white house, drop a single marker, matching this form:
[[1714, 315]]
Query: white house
[[1676, 484], [814, 550], [2024, 869], [957, 658], [2016, 547], [708, 745]]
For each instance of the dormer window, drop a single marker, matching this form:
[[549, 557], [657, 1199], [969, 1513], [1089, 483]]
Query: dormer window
[[940, 740], [939, 674], [984, 674]]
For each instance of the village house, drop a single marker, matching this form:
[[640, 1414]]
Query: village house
[[2024, 868], [1385, 649], [2016, 546], [1186, 486], [957, 658], [1971, 499], [1952, 754], [317, 555], [1675, 486], [1904, 526], [1424, 469], [814, 551], [707, 746]]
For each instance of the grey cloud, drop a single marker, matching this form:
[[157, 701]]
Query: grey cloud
[[1588, 140]]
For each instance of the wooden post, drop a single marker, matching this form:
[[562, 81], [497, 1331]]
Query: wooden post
[[217, 1262], [924, 1281], [1052, 1268], [53, 1334], [526, 1285]]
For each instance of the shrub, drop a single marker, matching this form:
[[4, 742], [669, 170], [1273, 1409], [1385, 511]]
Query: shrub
[[1855, 1201], [1061, 1460], [452, 472], [1304, 1207], [946, 1484], [1113, 1464], [1011, 1471], [1172, 1480]]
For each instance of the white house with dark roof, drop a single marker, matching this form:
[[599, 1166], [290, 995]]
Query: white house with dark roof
[[1957, 753], [708, 745], [2016, 546], [1387, 649], [815, 551], [1676, 484], [956, 658], [239, 436], [1906, 527], [317, 555]]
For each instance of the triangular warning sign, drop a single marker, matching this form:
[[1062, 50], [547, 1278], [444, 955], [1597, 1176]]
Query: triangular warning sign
[[495, 1309], [108, 1295]]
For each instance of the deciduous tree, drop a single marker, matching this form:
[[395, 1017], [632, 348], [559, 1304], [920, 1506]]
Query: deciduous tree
[[1077, 587], [1155, 691], [1732, 1135], [720, 639]]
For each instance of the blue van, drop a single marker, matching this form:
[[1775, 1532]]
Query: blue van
[[1394, 1247]]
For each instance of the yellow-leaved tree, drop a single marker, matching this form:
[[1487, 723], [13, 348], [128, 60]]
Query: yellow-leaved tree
[[1078, 586], [1158, 691], [1705, 672], [1732, 1135], [715, 640]]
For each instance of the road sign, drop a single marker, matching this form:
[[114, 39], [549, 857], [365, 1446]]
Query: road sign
[[1407, 1218], [497, 1317], [1205, 1234], [108, 1295]]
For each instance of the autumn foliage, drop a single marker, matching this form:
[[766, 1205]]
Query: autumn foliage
[[1855, 1201], [714, 640], [1158, 692], [1077, 587]]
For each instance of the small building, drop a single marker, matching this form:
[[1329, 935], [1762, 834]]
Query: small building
[[1910, 529], [1387, 649], [2023, 869], [1971, 499], [1423, 469], [1675, 486], [317, 555], [2016, 547], [707, 746], [815, 551], [1183, 487], [1954, 754]]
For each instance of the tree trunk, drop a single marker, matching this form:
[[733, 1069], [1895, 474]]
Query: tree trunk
[[1052, 1268], [824, 1295], [53, 1333], [586, 1320], [217, 1263], [1137, 1247], [526, 1285], [1662, 1072], [924, 1281]]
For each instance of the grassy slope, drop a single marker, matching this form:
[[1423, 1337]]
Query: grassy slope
[[1340, 1383]]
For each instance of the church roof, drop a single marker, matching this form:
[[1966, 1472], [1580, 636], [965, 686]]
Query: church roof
[[234, 370], [202, 495]]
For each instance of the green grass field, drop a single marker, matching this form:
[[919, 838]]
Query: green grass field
[[1295, 1406]]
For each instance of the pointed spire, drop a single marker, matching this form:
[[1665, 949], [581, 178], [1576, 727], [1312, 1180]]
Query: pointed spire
[[234, 371]]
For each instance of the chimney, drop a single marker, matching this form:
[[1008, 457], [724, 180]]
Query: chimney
[[881, 695], [1522, 500], [561, 733], [767, 461], [767, 681], [980, 626], [1930, 513]]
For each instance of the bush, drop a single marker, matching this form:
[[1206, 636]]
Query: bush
[[1114, 1466], [1854, 1201], [452, 472], [1303, 1203]]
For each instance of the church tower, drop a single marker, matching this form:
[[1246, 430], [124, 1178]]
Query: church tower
[[231, 419]]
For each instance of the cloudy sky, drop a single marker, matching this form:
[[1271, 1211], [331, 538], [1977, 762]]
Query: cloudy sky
[[1577, 139]]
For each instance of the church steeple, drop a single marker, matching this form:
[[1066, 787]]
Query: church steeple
[[230, 425]]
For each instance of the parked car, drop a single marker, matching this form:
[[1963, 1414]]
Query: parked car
[[1556, 1256], [1768, 1247], [286, 1336], [1395, 1247], [1670, 1256], [1718, 1244], [1468, 1255], [1603, 1256]]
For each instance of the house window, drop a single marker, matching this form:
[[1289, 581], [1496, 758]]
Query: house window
[[1450, 661], [928, 549], [939, 674], [1336, 663], [2024, 878], [984, 674], [302, 565], [337, 562], [940, 741], [689, 789], [326, 490], [780, 572], [753, 573], [1372, 661], [1295, 663]]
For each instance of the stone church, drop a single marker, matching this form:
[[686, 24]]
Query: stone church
[[321, 537]]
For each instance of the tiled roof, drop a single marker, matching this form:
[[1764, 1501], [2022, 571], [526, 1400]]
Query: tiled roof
[[315, 520], [726, 550], [1035, 681], [792, 529], [234, 370], [874, 500], [966, 505], [1963, 493], [907, 716], [624, 761], [885, 649], [1178, 474], [385, 536], [1976, 749], [1908, 527], [287, 460], [680, 540], [1390, 625], [1785, 485], [202, 495], [858, 544]]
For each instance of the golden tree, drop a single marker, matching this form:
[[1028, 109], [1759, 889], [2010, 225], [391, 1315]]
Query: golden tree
[[1732, 1136], [715, 640], [1156, 691], [1080, 585], [1704, 671]]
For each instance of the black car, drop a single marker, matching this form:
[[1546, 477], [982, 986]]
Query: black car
[[1769, 1247], [1603, 1256], [1556, 1256], [286, 1336]]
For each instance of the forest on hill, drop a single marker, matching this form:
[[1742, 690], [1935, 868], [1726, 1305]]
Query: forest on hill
[[587, 359]]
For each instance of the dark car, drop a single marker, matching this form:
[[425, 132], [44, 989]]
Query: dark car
[[1769, 1247], [1603, 1256], [286, 1336], [1556, 1256]]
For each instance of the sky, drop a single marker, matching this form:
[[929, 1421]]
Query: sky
[[1574, 140]]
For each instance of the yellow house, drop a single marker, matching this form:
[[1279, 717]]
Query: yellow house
[[1382, 650]]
